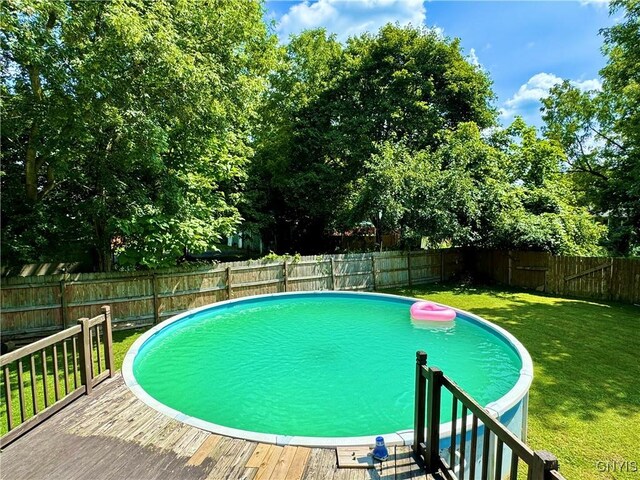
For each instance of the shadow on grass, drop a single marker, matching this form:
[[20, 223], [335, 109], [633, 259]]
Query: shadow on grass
[[584, 352]]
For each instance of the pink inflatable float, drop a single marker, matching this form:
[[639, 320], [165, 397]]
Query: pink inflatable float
[[432, 312]]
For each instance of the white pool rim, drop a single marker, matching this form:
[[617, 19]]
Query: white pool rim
[[404, 437]]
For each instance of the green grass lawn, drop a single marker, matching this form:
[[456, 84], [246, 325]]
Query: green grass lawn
[[585, 398]]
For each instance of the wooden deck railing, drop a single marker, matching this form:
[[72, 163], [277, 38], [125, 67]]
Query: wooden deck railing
[[501, 451], [58, 369]]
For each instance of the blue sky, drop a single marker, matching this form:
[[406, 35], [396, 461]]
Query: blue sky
[[525, 46]]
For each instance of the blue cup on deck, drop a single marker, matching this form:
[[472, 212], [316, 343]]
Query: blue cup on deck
[[380, 451]]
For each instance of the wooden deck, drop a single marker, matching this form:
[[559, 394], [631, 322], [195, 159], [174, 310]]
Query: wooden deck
[[112, 435]]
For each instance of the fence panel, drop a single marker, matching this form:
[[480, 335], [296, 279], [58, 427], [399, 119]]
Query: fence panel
[[353, 272], [625, 280], [525, 269], [602, 278], [391, 269], [309, 273], [40, 305], [29, 307]]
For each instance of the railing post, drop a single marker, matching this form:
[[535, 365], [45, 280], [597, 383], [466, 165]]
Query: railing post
[[548, 462], [420, 399], [434, 393], [108, 340], [85, 356]]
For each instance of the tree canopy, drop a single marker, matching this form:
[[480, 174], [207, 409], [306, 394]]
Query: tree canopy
[[335, 104], [142, 129], [127, 124], [600, 132]]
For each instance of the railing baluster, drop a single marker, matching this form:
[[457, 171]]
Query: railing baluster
[[513, 473], [463, 440], [21, 391], [485, 453], [75, 361], [45, 382], [474, 447], [98, 348], [56, 373], [454, 424], [498, 468], [34, 384], [65, 354], [7, 393]]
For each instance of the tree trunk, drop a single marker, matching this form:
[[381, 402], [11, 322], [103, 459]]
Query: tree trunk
[[102, 246], [31, 167], [33, 164]]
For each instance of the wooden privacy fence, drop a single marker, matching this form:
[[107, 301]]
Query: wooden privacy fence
[[34, 306], [601, 278], [501, 452], [50, 373]]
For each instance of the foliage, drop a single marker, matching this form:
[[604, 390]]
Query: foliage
[[502, 191], [274, 257], [126, 123], [335, 104], [600, 132]]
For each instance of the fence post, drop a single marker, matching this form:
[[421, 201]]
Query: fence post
[[333, 274], [434, 393], [63, 302], [419, 403], [373, 272], [85, 355], [442, 265], [611, 295], [409, 268], [285, 276], [108, 340], [228, 283], [156, 300]]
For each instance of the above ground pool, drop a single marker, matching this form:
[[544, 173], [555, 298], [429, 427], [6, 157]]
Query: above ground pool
[[319, 368]]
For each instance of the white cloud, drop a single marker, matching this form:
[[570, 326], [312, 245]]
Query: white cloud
[[473, 58], [597, 3], [526, 101], [348, 18]]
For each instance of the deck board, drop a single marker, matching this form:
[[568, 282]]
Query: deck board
[[111, 435]]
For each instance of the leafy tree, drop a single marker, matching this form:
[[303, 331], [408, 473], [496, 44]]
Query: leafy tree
[[501, 190], [403, 84], [126, 124], [277, 199], [600, 132]]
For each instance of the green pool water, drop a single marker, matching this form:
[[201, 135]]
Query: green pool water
[[315, 365]]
